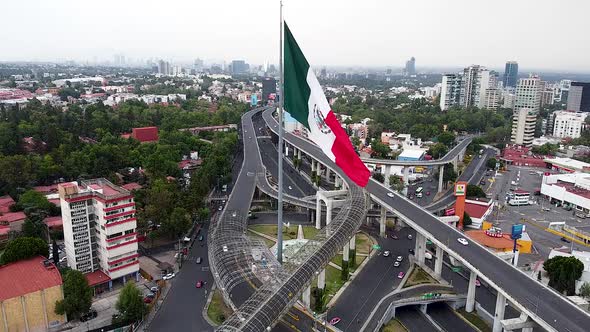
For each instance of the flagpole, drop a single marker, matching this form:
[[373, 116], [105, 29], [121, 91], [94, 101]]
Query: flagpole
[[280, 147]]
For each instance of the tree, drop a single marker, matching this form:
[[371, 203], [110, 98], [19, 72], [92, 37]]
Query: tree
[[55, 253], [466, 219], [396, 183], [34, 226], [380, 150], [355, 142], [23, 248], [449, 174], [130, 303], [475, 191], [33, 201], [77, 295], [563, 273], [378, 177], [438, 150], [177, 223], [585, 290], [447, 138], [546, 149], [491, 163]]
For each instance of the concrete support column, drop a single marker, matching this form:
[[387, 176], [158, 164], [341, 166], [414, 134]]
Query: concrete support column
[[382, 222], [406, 179], [352, 242], [420, 248], [328, 212], [527, 329], [318, 213], [346, 252], [441, 171], [322, 279], [470, 304], [327, 174], [337, 181], [386, 174], [438, 263], [286, 149], [306, 297], [368, 221], [499, 313], [318, 169], [298, 154], [312, 166]]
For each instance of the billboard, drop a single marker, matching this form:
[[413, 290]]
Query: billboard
[[254, 100], [517, 231], [460, 189]]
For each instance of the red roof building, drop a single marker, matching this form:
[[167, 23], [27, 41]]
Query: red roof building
[[522, 156], [132, 186], [13, 219], [5, 203], [96, 278], [145, 134], [27, 276], [54, 223]]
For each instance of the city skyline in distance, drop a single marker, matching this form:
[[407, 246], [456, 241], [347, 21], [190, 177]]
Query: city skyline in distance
[[343, 33]]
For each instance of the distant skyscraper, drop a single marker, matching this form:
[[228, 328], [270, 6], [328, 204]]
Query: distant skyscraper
[[198, 65], [269, 86], [163, 67], [524, 121], [239, 67], [411, 67], [578, 98], [528, 93], [474, 86], [510, 74], [450, 91]]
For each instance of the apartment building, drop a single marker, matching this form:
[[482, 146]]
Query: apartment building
[[100, 228], [568, 123]]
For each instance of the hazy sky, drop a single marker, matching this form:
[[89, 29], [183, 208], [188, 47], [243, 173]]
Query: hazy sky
[[539, 34]]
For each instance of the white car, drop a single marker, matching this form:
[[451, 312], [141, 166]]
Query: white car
[[399, 258], [462, 241], [396, 264], [386, 253], [390, 194], [427, 255], [224, 248], [169, 276], [290, 188]]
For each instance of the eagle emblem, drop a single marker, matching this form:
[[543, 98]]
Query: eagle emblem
[[320, 120]]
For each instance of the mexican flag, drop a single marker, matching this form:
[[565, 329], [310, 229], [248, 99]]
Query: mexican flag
[[306, 102]]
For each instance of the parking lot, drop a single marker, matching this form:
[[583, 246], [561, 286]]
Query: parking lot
[[536, 216]]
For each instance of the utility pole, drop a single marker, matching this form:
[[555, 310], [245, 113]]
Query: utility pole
[[280, 147]]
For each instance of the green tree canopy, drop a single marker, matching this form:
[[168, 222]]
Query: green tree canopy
[[475, 191], [585, 290], [563, 273], [378, 177], [23, 248], [380, 150], [447, 138], [449, 174], [466, 219], [32, 201], [130, 303], [77, 295], [438, 150], [396, 182], [491, 163]]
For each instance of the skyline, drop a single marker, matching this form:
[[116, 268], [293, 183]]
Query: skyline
[[367, 34]]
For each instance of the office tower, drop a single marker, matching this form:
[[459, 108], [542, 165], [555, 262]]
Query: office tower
[[100, 228], [528, 93], [450, 93], [489, 94], [410, 69], [578, 98], [239, 67], [524, 121], [510, 74], [163, 67], [269, 86], [568, 124], [198, 65], [509, 99]]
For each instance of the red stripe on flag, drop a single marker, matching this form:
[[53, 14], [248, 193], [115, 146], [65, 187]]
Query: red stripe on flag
[[346, 157]]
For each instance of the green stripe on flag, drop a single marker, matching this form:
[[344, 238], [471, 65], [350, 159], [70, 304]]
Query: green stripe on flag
[[296, 89]]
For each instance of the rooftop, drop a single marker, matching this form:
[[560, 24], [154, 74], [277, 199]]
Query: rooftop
[[27, 276], [12, 217], [5, 203], [568, 163], [497, 243], [54, 221], [96, 278], [132, 186], [145, 134]]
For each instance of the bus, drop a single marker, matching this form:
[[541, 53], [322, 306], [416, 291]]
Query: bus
[[519, 197], [419, 190]]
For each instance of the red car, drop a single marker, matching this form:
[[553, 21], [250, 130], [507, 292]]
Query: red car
[[335, 320], [199, 284], [401, 275], [147, 300], [428, 193]]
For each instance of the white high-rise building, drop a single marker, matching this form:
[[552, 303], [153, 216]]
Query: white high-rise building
[[568, 124], [474, 86], [524, 121], [528, 93], [100, 229], [450, 91]]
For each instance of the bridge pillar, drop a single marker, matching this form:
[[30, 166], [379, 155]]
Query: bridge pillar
[[346, 252], [286, 149], [382, 222], [499, 314], [406, 179], [318, 168], [352, 242], [318, 213], [438, 263], [312, 166], [328, 212], [455, 162], [470, 305], [420, 248], [298, 154], [441, 172], [424, 308], [327, 175], [306, 297], [322, 279], [387, 174], [337, 181]]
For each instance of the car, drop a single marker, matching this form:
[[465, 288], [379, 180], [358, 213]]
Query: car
[[427, 255], [411, 251], [199, 284], [462, 241], [393, 236], [198, 261], [482, 183], [201, 237], [401, 275], [224, 248], [151, 295], [89, 315], [564, 239], [428, 193], [419, 195], [409, 236], [335, 320], [390, 194], [169, 276], [290, 188], [155, 289], [147, 300], [399, 258], [250, 137], [220, 208], [396, 264], [546, 208], [477, 283], [234, 214], [386, 253]]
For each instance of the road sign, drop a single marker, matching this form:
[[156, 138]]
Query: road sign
[[456, 269], [517, 231], [376, 247]]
